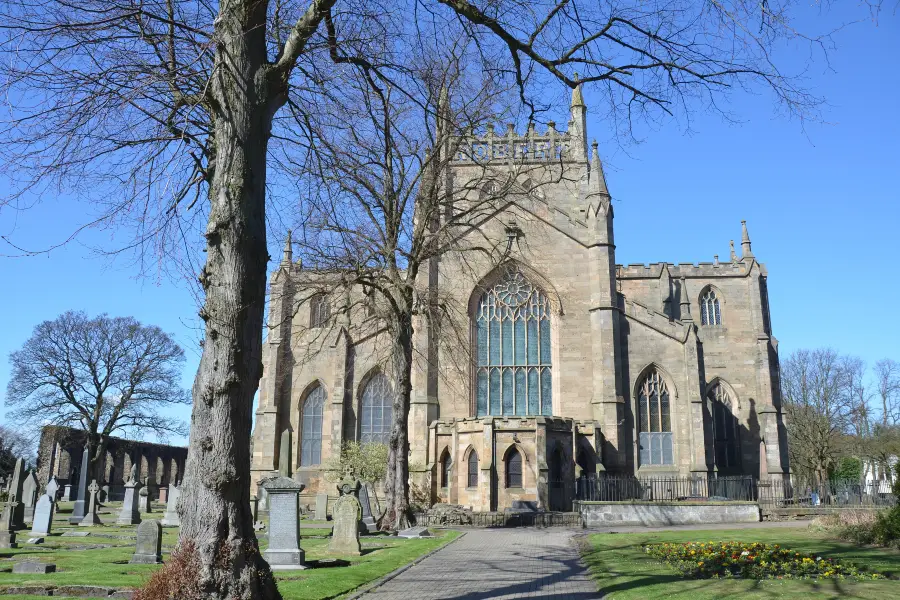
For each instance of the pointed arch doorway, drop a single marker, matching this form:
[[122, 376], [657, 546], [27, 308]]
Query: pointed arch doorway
[[557, 500]]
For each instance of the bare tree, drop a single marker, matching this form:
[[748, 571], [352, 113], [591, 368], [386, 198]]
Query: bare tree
[[102, 375], [14, 445], [820, 409], [171, 109], [887, 383]]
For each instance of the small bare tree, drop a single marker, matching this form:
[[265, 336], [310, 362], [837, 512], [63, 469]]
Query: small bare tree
[[887, 383], [102, 375]]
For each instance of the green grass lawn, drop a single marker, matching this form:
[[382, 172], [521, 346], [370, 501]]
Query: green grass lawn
[[622, 570], [107, 565]]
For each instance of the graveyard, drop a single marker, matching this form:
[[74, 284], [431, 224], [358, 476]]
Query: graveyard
[[89, 548]]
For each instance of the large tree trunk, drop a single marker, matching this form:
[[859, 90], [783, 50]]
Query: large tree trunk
[[215, 506], [396, 487]]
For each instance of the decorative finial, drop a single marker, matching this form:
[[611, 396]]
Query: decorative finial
[[734, 257], [577, 98], [597, 177], [684, 301], [746, 252], [288, 251]]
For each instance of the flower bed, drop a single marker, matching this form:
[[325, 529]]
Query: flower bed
[[704, 560]]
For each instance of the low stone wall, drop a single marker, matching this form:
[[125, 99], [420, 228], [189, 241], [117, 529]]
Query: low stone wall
[[661, 514], [507, 519]]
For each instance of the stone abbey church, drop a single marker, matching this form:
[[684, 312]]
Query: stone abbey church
[[574, 365]]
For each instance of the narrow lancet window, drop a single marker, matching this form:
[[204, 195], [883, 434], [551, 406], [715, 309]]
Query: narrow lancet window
[[709, 309], [311, 427]]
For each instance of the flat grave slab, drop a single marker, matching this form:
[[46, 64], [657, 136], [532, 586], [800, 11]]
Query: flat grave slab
[[415, 532], [33, 567]]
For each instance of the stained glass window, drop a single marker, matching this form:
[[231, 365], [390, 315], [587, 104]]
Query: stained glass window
[[655, 421], [709, 309], [311, 427], [725, 430], [514, 469], [377, 410], [512, 353], [319, 312]]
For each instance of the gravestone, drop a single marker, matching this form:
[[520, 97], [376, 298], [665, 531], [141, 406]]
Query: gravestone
[[415, 532], [149, 544], [104, 493], [321, 513], [345, 514], [78, 511], [29, 496], [7, 531], [130, 513], [171, 518], [284, 550], [90, 518], [145, 505], [284, 455], [43, 515], [67, 493], [17, 516], [367, 525], [53, 488], [34, 567]]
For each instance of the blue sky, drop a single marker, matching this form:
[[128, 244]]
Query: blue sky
[[820, 200]]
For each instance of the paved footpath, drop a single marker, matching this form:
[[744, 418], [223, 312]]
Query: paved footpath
[[499, 564]]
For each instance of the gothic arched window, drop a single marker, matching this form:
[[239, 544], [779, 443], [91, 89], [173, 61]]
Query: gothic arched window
[[319, 311], [446, 463], [513, 469], [655, 421], [472, 475], [512, 349], [311, 427], [376, 410], [709, 309], [725, 430]]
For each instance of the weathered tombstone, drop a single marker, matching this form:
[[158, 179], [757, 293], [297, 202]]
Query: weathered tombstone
[[284, 455], [43, 515], [17, 515], [149, 544], [415, 532], [145, 505], [90, 518], [104, 493], [30, 490], [254, 509], [171, 518], [53, 488], [67, 493], [7, 531], [345, 514], [78, 511], [33, 567], [284, 550], [367, 525], [321, 513], [130, 513]]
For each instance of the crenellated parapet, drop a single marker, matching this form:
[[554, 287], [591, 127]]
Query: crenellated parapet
[[689, 270], [550, 146]]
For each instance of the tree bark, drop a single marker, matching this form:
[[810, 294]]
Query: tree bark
[[397, 515], [215, 506]]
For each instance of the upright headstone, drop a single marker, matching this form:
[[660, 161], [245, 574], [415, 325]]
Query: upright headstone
[[284, 456], [254, 509], [78, 511], [284, 550], [30, 495], [104, 493], [345, 514], [130, 513], [145, 505], [171, 518], [367, 524], [321, 513], [67, 493], [149, 544], [7, 530], [43, 516], [90, 518], [53, 488], [17, 515]]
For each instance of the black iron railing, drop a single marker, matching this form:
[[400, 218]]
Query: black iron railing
[[619, 488]]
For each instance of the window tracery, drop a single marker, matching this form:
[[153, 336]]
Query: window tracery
[[655, 421], [376, 410], [311, 427], [725, 429], [512, 349], [709, 308]]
